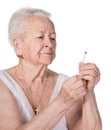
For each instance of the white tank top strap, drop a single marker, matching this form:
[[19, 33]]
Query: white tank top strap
[[62, 123]]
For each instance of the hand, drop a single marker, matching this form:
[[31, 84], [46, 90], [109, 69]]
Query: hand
[[72, 90], [90, 73]]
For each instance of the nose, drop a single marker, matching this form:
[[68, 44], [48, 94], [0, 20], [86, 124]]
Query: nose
[[48, 43]]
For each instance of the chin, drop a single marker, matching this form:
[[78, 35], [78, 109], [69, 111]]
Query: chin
[[47, 62]]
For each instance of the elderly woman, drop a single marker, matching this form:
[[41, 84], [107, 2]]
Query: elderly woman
[[33, 97]]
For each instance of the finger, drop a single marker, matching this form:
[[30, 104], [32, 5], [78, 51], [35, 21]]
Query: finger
[[92, 80], [78, 89], [88, 66], [78, 84], [72, 80], [90, 72], [77, 94]]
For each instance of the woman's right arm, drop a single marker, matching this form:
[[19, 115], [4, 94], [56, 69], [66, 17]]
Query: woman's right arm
[[10, 118], [72, 90], [9, 111]]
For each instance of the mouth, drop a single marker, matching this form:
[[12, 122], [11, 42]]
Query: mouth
[[48, 53]]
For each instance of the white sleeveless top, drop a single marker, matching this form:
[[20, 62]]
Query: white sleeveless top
[[24, 105]]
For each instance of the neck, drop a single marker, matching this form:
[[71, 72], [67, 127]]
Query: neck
[[30, 72]]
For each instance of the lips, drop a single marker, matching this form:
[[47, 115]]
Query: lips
[[46, 53]]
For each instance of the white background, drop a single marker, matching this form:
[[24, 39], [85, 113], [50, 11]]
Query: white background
[[80, 24]]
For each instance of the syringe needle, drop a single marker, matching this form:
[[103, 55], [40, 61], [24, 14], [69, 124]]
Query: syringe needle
[[84, 56]]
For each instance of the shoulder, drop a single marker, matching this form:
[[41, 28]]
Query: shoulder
[[61, 76], [7, 99], [8, 107], [5, 92]]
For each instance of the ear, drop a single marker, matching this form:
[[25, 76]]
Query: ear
[[17, 46]]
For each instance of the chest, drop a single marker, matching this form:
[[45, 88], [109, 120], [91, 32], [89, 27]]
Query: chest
[[40, 93]]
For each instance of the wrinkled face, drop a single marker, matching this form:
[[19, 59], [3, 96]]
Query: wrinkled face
[[38, 40]]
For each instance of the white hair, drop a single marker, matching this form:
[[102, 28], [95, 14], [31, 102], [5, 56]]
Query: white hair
[[18, 18]]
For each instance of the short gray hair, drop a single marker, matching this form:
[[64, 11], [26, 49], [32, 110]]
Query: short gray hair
[[17, 18]]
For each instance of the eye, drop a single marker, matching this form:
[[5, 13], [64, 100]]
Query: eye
[[40, 37], [52, 38]]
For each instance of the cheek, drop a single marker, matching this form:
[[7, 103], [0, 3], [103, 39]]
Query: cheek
[[35, 49], [54, 54], [54, 48]]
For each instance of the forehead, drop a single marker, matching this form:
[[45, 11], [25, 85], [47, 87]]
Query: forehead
[[38, 23]]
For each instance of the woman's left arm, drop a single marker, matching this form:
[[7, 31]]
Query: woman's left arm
[[87, 115], [91, 119]]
